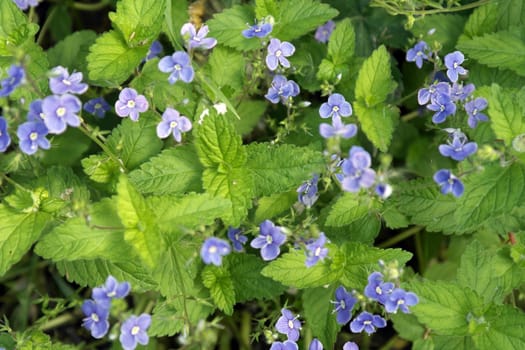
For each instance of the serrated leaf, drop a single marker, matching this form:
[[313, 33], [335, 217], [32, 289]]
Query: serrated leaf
[[298, 17], [174, 171], [100, 168], [250, 112], [17, 233], [111, 61], [67, 149], [72, 51], [281, 168], [347, 209], [36, 68], [394, 218], [15, 29], [363, 230], [510, 13], [218, 281], [374, 81], [234, 76], [452, 342], [445, 29], [407, 326], [264, 8], [271, 206], [228, 25], [319, 316], [378, 123], [341, 45], [138, 20], [482, 20], [503, 328]]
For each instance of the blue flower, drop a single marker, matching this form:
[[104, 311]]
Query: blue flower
[[238, 240], [335, 107], [16, 75], [35, 114], [400, 299], [443, 106], [32, 135], [344, 303], [131, 104], [154, 50], [97, 106], [134, 330], [287, 345], [458, 92], [25, 4], [316, 251], [435, 89], [179, 65], [60, 111], [111, 289], [338, 128], [60, 82], [259, 30], [457, 146], [350, 345], [418, 53], [307, 192], [173, 123], [269, 240], [383, 190], [315, 344], [5, 139], [213, 250], [453, 63], [367, 322], [356, 170], [281, 89], [277, 53], [473, 108], [448, 182], [376, 289], [323, 32], [197, 39], [288, 324], [96, 320]]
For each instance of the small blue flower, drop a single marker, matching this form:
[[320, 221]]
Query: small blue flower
[[35, 114], [60, 111], [96, 320], [473, 108], [5, 139], [173, 123], [111, 289], [418, 53], [383, 190], [213, 250], [281, 89], [315, 344], [356, 170], [453, 63], [197, 39], [286, 345], [400, 299], [316, 251], [336, 107], [131, 104], [288, 324], [259, 30], [338, 128], [367, 322], [323, 32], [376, 289], [457, 146], [443, 106], [97, 106], [154, 50], [25, 4], [435, 89], [238, 239], [32, 135], [16, 75], [343, 305], [134, 330], [179, 65], [269, 240], [277, 53], [458, 92], [60, 82], [350, 345], [448, 182], [307, 192]]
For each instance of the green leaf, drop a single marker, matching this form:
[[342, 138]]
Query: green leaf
[[17, 233], [482, 20], [100, 168], [36, 67], [138, 20], [248, 282], [250, 112], [510, 13], [319, 316], [363, 230], [189, 211], [72, 51], [444, 306], [347, 209], [111, 61], [452, 342], [503, 49], [489, 193], [375, 82], [341, 46], [264, 8], [446, 28], [503, 328], [279, 168], [174, 171], [135, 142], [407, 326], [14, 28], [378, 123], [67, 149], [174, 18], [234, 76], [394, 218], [271, 206], [219, 282], [298, 17], [290, 270], [228, 25]]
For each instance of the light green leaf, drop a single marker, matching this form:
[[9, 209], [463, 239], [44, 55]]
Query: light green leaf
[[15, 29], [378, 123], [482, 20], [100, 168], [264, 8], [446, 28], [138, 20], [341, 45], [281, 168], [511, 13], [228, 25], [347, 209], [250, 112], [111, 61], [174, 171], [271, 206], [67, 149], [319, 316], [375, 82], [72, 51], [407, 326], [17, 233], [443, 342], [36, 66], [503, 327], [234, 76], [219, 282], [174, 18]]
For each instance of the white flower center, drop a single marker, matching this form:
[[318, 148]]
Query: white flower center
[[131, 104], [278, 53], [378, 290], [475, 111], [400, 302], [98, 105], [173, 125], [94, 317], [135, 330], [269, 239], [61, 111], [33, 136], [342, 304], [112, 294], [455, 65], [290, 324], [212, 249], [177, 67], [317, 251], [66, 82], [366, 323], [335, 109]]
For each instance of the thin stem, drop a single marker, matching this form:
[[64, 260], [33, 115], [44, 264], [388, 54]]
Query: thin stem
[[400, 237], [14, 183], [46, 25], [89, 133], [57, 321], [410, 116], [395, 340], [452, 9], [90, 7], [420, 255], [404, 98]]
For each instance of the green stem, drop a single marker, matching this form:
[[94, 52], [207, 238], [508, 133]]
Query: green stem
[[452, 9], [57, 321], [420, 254], [410, 116], [392, 342], [90, 7], [246, 322], [16, 184], [400, 237], [89, 133], [404, 98], [46, 25]]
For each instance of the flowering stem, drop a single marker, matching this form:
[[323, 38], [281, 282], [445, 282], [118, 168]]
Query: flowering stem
[[394, 9], [58, 321], [91, 134], [400, 237], [410, 116], [90, 7], [46, 25]]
